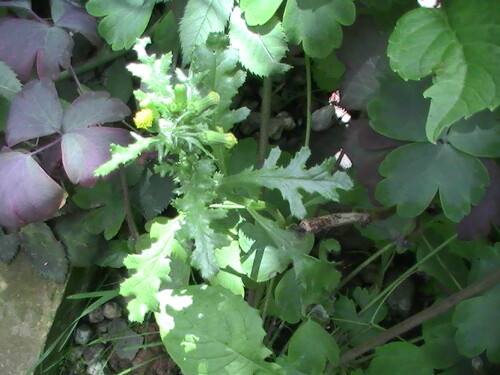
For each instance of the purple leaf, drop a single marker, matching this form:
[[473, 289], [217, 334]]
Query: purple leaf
[[478, 223], [84, 150], [75, 18], [93, 108], [27, 193], [50, 46], [34, 112]]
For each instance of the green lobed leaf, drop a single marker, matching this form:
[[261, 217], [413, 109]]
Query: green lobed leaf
[[316, 23], [9, 84], [209, 330], [287, 295], [458, 43], [327, 72], [124, 20], [165, 33], [261, 48], [151, 267], [479, 135], [414, 173], [310, 347], [294, 177], [400, 358], [200, 19], [258, 12]]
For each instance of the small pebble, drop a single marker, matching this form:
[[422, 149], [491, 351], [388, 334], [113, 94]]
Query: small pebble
[[93, 352], [96, 368], [96, 316], [111, 310], [83, 334]]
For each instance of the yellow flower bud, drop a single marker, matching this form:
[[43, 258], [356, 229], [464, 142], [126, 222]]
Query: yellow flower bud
[[144, 118]]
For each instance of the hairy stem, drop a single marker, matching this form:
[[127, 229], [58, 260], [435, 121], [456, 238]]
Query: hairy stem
[[265, 119], [134, 233], [421, 317], [308, 102]]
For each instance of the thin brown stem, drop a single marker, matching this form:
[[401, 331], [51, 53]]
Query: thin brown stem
[[421, 317]]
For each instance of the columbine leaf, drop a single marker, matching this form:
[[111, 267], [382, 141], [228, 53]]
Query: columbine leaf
[[200, 19], [151, 267], [416, 172], [400, 358], [27, 193], [72, 16], [316, 24], [124, 20], [84, 150], [209, 327], [327, 72], [477, 325], [9, 84], [261, 48], [399, 110], [34, 112], [258, 12], [294, 177], [93, 108], [49, 46], [478, 135], [462, 51], [45, 253]]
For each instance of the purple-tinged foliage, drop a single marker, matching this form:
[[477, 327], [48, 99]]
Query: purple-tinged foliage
[[478, 223], [19, 4], [36, 112], [48, 46], [27, 193]]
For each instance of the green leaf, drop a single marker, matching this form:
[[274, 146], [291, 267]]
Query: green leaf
[[44, 252], [155, 194], [118, 80], [439, 346], [287, 294], [463, 53], [399, 110], [124, 20], [477, 325], [400, 358], [327, 72], [261, 48], [478, 135], [152, 267], [316, 23], [414, 173], [165, 33], [294, 177], [310, 347], [258, 12], [209, 330], [9, 84], [200, 19]]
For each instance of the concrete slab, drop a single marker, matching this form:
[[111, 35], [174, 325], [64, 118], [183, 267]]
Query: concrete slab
[[28, 303]]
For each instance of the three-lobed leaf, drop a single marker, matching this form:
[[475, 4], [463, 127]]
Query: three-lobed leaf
[[460, 49], [258, 12], [400, 358]]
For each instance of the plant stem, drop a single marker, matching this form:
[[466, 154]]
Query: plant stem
[[77, 81], [134, 233], [92, 64], [308, 101], [421, 317], [48, 145], [265, 119]]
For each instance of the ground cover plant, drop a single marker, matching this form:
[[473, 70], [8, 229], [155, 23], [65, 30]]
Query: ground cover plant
[[263, 253]]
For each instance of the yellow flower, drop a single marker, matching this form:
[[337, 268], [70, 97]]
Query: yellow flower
[[144, 119]]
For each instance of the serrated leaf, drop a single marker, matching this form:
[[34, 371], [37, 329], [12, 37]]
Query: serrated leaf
[[327, 72], [400, 358], [9, 84], [261, 48], [210, 328], [9, 246], [118, 80], [165, 33], [399, 111], [310, 347], [49, 46], [124, 20], [287, 295], [416, 172], [294, 177], [155, 194], [477, 325], [258, 12], [27, 193], [479, 135], [316, 23], [461, 51], [200, 19], [44, 252], [151, 267]]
